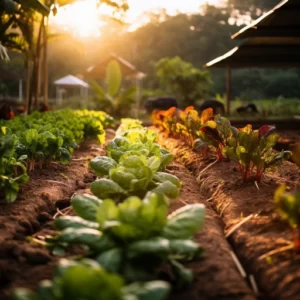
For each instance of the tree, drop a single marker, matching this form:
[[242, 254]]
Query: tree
[[183, 80], [33, 46], [253, 8]]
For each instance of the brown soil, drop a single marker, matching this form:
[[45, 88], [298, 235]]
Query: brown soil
[[278, 277], [215, 275], [23, 263]]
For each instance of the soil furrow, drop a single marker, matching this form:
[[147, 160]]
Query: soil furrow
[[277, 277], [215, 275]]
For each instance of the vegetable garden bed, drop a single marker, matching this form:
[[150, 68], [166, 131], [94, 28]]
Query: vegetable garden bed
[[133, 227], [259, 229], [24, 264], [48, 191]]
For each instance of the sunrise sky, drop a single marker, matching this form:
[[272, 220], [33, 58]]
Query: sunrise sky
[[82, 18]]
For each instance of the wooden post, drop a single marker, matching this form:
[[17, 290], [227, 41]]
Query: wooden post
[[228, 89]]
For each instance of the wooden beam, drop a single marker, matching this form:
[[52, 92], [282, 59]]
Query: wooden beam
[[228, 89]]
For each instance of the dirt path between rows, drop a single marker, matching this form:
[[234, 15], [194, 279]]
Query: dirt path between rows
[[278, 277], [216, 275]]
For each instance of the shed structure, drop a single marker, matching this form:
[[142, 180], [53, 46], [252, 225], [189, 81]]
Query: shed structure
[[273, 40]]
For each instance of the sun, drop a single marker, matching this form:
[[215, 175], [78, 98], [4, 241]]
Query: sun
[[82, 18]]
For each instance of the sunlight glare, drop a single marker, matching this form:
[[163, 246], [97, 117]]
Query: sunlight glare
[[81, 18]]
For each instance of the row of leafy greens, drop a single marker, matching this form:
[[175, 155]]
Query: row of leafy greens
[[41, 138], [129, 246]]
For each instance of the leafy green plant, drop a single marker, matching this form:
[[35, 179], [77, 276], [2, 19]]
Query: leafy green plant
[[133, 164], [135, 238], [88, 280], [41, 138], [252, 150], [288, 207], [114, 99], [12, 170]]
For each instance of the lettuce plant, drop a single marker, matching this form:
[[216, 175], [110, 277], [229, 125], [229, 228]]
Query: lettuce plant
[[87, 280], [135, 174], [252, 150], [132, 165], [288, 207], [135, 238]]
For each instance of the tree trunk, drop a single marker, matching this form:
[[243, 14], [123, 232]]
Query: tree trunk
[[36, 69], [45, 63], [27, 88]]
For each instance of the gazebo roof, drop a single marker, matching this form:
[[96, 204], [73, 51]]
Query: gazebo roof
[[99, 70], [71, 80], [283, 20]]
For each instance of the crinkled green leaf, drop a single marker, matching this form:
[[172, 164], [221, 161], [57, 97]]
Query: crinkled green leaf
[[107, 211]]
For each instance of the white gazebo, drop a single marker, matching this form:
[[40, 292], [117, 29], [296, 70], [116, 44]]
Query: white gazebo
[[70, 81]]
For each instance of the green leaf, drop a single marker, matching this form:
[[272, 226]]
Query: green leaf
[[123, 178], [162, 177], [31, 135], [102, 164], [185, 249], [158, 246], [111, 260], [113, 77], [107, 211], [154, 163], [92, 238], [86, 206], [152, 290], [185, 222], [84, 282], [166, 157], [74, 222], [133, 161], [167, 188], [106, 188], [129, 209], [183, 276]]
